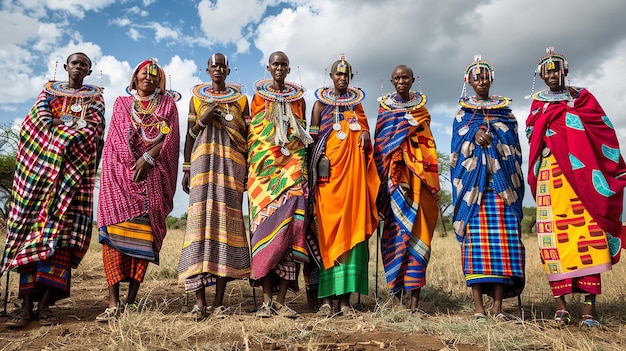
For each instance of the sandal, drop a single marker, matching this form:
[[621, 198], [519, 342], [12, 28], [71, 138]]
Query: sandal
[[109, 314], [285, 311], [590, 322], [47, 318], [325, 310], [562, 318], [19, 319], [220, 312], [198, 314], [265, 310], [348, 311]]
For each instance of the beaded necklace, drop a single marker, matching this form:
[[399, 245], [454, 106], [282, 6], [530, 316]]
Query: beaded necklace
[[291, 92], [79, 100], [550, 96], [351, 98], [393, 101], [138, 117], [494, 102], [234, 92]]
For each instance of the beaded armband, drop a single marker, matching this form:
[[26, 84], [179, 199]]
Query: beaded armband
[[192, 134]]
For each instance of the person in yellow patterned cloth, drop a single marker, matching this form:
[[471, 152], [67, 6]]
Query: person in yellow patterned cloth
[[50, 217], [406, 159], [215, 249], [277, 141], [577, 176]]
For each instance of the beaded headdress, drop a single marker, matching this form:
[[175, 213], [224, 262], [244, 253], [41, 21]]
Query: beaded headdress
[[476, 68], [153, 70], [549, 62], [343, 66]]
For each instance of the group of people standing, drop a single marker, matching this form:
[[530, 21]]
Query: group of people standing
[[316, 195]]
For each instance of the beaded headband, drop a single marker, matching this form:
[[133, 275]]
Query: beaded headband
[[550, 60], [475, 68], [154, 70]]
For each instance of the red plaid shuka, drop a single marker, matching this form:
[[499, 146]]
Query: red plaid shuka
[[51, 201]]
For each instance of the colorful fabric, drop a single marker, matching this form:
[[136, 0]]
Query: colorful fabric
[[492, 250], [583, 141], [349, 275], [590, 284], [345, 205], [276, 189], [406, 160], [52, 196], [133, 238], [571, 243], [120, 198], [215, 243], [54, 272], [472, 166], [119, 267]]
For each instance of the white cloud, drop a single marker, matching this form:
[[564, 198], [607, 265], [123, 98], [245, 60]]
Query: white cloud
[[75, 8], [224, 22], [162, 32], [134, 34], [138, 11]]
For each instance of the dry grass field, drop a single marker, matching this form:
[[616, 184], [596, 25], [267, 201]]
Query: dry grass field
[[444, 322]]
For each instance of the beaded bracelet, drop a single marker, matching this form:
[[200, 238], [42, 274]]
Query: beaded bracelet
[[186, 166], [192, 134], [202, 125], [149, 159]]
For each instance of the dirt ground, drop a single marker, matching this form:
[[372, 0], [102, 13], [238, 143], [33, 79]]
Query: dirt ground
[[78, 323]]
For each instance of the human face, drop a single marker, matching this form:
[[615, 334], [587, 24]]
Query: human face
[[279, 67], [146, 84], [78, 67], [402, 79], [481, 84], [218, 70], [553, 79]]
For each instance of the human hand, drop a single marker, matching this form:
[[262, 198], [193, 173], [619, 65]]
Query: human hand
[[186, 182], [365, 141], [483, 138], [141, 169]]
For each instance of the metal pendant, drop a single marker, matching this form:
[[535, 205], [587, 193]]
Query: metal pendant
[[545, 152], [336, 126], [355, 127], [164, 128], [81, 123], [463, 130], [413, 122], [284, 151], [66, 118], [408, 116], [341, 135], [76, 108], [229, 117]]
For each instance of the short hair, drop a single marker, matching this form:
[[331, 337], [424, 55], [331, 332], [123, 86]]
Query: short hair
[[67, 61], [269, 58]]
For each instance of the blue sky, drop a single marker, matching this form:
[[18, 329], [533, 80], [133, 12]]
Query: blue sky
[[437, 38]]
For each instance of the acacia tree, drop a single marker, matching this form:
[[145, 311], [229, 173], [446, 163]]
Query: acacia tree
[[9, 138], [444, 195]]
